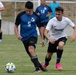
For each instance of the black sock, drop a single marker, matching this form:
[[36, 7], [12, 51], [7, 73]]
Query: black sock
[[35, 62], [59, 55], [0, 35], [47, 60]]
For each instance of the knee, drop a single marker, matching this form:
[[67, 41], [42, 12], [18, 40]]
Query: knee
[[31, 49], [49, 55], [60, 45]]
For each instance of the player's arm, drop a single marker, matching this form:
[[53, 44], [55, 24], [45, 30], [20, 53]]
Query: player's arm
[[52, 40], [72, 38], [49, 12], [37, 11], [46, 34], [48, 27], [48, 15], [17, 32]]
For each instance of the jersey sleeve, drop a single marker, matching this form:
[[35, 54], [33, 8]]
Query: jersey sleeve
[[49, 9], [37, 11], [49, 24], [70, 22], [38, 21], [18, 20]]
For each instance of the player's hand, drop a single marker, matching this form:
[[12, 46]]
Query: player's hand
[[72, 38], [19, 37], [48, 15], [38, 14], [43, 43], [52, 40]]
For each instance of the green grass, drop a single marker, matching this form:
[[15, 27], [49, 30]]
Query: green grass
[[12, 50]]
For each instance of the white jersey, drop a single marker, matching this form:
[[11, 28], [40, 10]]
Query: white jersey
[[1, 5], [57, 28]]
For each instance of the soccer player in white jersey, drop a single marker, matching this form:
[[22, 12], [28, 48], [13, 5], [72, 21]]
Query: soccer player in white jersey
[[2, 8], [58, 37]]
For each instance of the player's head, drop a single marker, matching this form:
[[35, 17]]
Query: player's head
[[59, 9], [43, 2], [29, 7], [54, 1], [59, 12]]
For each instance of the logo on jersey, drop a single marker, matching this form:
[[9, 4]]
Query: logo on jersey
[[43, 11], [45, 8], [32, 19], [29, 22]]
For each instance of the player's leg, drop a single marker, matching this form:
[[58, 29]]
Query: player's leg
[[30, 49], [47, 59], [51, 49], [0, 32], [61, 44], [26, 44], [42, 29]]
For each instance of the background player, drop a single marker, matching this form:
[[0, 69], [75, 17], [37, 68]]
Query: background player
[[44, 12]]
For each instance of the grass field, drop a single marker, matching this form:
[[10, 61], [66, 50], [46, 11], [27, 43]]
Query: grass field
[[12, 50]]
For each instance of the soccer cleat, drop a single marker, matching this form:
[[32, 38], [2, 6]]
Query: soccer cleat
[[44, 65], [43, 68], [0, 40], [58, 66], [37, 71], [47, 41]]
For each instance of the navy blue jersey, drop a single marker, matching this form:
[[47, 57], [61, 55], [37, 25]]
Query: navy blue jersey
[[43, 11], [27, 24]]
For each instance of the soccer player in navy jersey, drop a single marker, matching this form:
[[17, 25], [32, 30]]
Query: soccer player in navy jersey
[[28, 20], [44, 12], [58, 36]]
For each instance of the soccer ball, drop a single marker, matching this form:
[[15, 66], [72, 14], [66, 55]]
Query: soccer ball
[[10, 67]]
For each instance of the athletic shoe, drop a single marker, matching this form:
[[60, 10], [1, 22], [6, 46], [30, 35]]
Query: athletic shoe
[[47, 41], [37, 71], [58, 66], [40, 42], [44, 65], [0, 40], [42, 68]]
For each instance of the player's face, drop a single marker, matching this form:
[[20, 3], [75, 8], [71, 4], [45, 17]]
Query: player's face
[[43, 2], [29, 11], [54, 1], [59, 15]]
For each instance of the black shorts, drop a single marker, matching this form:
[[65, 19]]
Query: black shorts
[[32, 41], [53, 47], [43, 24], [0, 24]]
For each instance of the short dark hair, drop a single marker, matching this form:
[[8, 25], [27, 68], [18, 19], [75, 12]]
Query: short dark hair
[[29, 5], [59, 9]]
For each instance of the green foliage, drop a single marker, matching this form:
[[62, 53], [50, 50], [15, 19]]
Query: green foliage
[[12, 50]]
